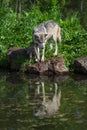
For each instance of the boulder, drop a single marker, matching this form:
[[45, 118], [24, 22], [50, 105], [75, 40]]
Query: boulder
[[14, 52], [15, 57], [79, 65], [54, 66]]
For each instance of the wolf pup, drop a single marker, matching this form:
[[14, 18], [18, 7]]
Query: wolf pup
[[45, 32], [32, 51]]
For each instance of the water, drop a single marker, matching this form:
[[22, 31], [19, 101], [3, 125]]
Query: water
[[28, 102]]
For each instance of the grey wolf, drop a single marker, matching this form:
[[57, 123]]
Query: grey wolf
[[45, 32]]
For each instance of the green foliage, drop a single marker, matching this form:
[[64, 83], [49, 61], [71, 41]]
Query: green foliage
[[74, 39], [16, 29]]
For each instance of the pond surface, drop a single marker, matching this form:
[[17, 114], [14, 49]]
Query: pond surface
[[29, 102]]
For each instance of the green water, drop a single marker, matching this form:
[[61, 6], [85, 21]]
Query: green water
[[28, 102]]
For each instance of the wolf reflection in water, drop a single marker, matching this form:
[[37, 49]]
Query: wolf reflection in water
[[47, 107]]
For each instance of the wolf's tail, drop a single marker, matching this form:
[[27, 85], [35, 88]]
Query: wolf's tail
[[59, 34]]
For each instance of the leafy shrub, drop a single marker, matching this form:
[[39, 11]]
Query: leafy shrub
[[17, 30], [74, 39]]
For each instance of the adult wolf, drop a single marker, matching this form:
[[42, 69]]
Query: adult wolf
[[43, 33]]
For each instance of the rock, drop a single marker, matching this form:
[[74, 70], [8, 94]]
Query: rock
[[15, 57], [37, 68], [79, 65], [13, 52], [55, 66]]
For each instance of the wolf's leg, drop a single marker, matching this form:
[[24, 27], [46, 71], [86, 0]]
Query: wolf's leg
[[30, 58], [59, 35], [37, 51], [51, 47], [56, 46], [56, 49], [43, 50], [49, 41]]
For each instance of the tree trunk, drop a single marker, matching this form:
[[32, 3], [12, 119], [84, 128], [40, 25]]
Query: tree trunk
[[18, 7], [81, 6], [20, 10]]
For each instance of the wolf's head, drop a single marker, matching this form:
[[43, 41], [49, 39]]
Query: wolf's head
[[40, 39]]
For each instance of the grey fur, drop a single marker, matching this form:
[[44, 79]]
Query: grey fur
[[32, 51], [43, 33]]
